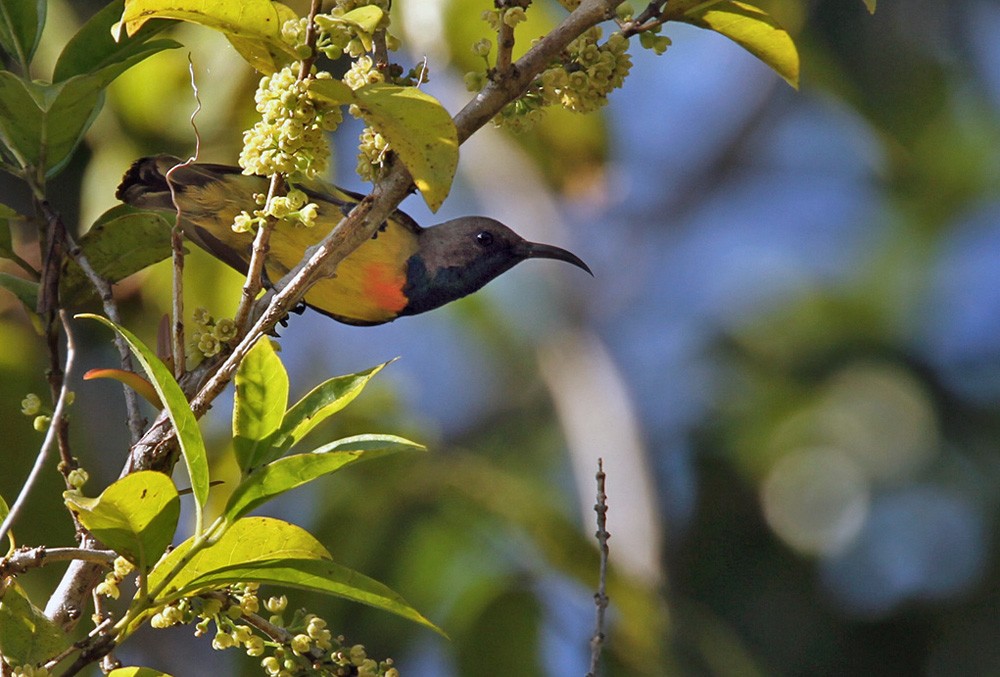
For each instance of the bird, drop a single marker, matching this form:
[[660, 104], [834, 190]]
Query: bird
[[404, 269]]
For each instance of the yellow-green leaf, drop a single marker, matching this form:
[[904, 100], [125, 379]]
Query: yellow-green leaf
[[247, 20], [284, 474], [259, 403], [320, 403], [134, 671], [266, 56], [270, 551], [178, 409], [419, 130], [27, 636], [753, 29], [4, 511], [870, 4], [136, 516], [247, 541], [122, 241]]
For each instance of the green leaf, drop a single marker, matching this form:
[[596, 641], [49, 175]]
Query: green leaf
[[178, 409], [259, 403], [136, 516], [27, 636], [322, 576], [253, 25], [753, 29], [419, 130], [284, 474], [320, 403], [248, 541], [121, 242], [266, 56], [270, 551], [42, 124], [870, 4], [93, 48], [21, 23], [366, 18], [20, 119], [26, 291], [6, 242], [334, 91], [133, 671], [4, 511]]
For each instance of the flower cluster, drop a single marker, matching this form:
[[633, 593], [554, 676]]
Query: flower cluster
[[109, 586], [581, 82], [292, 209], [510, 17], [210, 334], [303, 646], [373, 149], [289, 137], [32, 406]]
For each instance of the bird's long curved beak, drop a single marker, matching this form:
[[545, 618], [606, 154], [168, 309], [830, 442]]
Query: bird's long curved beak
[[535, 250]]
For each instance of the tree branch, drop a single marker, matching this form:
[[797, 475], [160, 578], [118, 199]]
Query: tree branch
[[157, 448]]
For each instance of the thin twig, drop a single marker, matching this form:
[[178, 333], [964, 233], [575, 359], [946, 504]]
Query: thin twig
[[23, 559], [103, 289], [177, 349], [505, 43], [253, 282], [601, 596], [50, 435], [649, 18]]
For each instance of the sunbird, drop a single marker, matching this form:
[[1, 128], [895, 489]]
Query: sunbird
[[404, 269]]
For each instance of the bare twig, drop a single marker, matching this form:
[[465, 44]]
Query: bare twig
[[654, 15], [103, 289], [177, 349], [601, 596], [505, 47], [50, 435], [254, 279], [23, 559]]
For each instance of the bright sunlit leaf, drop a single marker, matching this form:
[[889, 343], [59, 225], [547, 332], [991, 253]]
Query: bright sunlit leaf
[[275, 478], [259, 404], [419, 130], [253, 26], [753, 29], [133, 671], [136, 516], [319, 404], [270, 551], [178, 409]]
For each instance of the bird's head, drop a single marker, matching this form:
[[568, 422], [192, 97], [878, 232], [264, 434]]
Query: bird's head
[[458, 257]]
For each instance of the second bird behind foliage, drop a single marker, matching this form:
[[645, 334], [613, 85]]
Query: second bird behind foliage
[[404, 269]]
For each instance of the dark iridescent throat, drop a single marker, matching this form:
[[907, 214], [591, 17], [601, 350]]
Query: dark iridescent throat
[[425, 290]]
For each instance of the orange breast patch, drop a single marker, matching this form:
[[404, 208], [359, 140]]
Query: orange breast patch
[[384, 286]]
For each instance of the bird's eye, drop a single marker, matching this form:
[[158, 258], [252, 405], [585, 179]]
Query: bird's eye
[[484, 238]]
